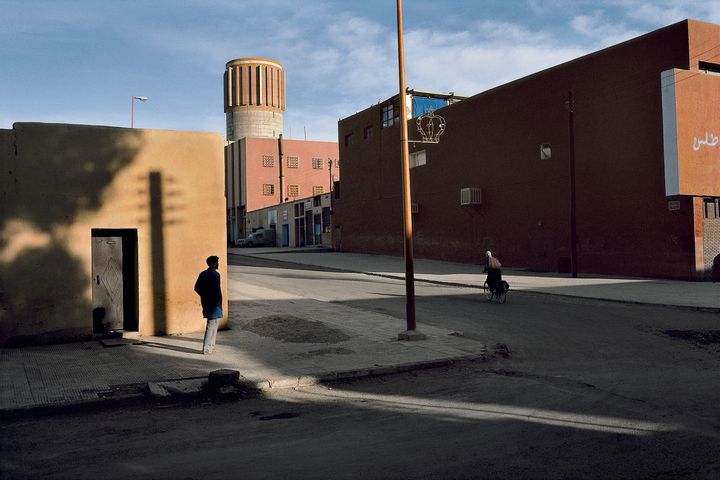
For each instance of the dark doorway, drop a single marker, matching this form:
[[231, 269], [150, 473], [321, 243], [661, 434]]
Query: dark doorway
[[114, 280]]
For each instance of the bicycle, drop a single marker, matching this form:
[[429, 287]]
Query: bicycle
[[499, 291]]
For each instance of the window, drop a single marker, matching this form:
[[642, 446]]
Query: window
[[317, 190], [711, 68], [368, 132], [268, 161], [292, 162], [711, 208], [390, 115], [317, 163], [545, 151], [417, 159], [349, 139], [293, 191], [268, 189]]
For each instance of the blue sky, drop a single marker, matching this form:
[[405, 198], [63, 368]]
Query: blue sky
[[80, 61]]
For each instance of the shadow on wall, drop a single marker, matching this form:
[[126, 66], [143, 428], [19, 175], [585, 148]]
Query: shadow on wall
[[52, 176]]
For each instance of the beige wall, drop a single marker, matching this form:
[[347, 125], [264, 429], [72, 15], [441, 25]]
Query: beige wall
[[65, 180]]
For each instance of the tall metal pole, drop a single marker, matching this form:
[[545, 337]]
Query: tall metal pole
[[280, 166], [407, 212], [573, 212], [132, 111]]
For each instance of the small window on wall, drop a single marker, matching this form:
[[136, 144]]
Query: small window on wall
[[368, 132], [292, 162], [293, 191], [349, 139], [268, 189], [317, 163], [390, 115], [417, 159], [317, 190], [711, 208], [545, 151], [268, 161]]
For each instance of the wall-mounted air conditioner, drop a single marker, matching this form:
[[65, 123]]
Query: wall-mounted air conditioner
[[470, 196]]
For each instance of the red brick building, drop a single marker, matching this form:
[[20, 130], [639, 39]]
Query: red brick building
[[646, 122]]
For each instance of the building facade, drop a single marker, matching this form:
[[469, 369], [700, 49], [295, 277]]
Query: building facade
[[608, 164], [265, 172], [106, 229], [261, 168], [298, 223]]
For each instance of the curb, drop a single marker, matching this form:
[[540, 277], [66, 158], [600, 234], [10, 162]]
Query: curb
[[194, 388]]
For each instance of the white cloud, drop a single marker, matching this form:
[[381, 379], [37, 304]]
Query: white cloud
[[603, 31]]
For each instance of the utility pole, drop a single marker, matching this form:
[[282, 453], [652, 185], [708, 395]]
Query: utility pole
[[280, 164], [411, 333], [573, 212]]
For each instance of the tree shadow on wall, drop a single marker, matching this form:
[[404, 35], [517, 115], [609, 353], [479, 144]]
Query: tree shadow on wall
[[53, 175]]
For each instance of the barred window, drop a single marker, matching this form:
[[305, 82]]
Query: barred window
[[268, 189], [292, 162], [293, 191], [349, 139], [317, 189], [268, 161], [317, 163]]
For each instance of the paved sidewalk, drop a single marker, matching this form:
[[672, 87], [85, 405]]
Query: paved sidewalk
[[279, 340], [276, 340], [694, 295]]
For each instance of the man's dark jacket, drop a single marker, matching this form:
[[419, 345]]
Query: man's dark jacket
[[208, 287]]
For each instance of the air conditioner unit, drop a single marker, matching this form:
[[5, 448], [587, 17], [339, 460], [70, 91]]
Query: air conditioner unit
[[415, 208], [470, 196]]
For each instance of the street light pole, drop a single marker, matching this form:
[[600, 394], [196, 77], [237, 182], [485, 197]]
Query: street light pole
[[411, 333], [132, 108]]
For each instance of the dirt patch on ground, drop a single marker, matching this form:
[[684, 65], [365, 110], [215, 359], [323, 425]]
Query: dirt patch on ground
[[287, 328], [325, 351]]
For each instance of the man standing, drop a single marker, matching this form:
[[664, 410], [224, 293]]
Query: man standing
[[208, 287]]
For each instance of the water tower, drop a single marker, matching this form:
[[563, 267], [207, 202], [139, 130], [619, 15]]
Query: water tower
[[254, 98]]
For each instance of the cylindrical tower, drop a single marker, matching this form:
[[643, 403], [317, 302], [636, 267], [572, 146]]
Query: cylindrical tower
[[254, 98]]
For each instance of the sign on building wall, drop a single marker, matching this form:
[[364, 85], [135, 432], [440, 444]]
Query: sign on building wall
[[691, 132]]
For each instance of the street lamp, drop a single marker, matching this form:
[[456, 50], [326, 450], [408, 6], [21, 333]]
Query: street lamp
[[132, 108]]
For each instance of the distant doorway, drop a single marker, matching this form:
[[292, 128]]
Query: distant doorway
[[114, 280], [285, 235]]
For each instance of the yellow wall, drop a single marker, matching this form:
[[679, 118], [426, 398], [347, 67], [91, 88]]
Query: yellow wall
[[61, 181]]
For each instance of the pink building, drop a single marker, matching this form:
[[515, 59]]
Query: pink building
[[262, 172]]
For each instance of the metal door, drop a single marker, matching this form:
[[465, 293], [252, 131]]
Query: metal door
[[107, 281]]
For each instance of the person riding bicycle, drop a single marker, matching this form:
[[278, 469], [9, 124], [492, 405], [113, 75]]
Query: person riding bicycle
[[493, 269]]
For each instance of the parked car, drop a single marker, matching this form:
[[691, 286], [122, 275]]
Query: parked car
[[259, 238]]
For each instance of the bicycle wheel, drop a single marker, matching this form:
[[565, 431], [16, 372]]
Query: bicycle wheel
[[488, 292], [501, 293]]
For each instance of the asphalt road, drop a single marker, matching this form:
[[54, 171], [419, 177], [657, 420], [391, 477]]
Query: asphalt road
[[589, 390]]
